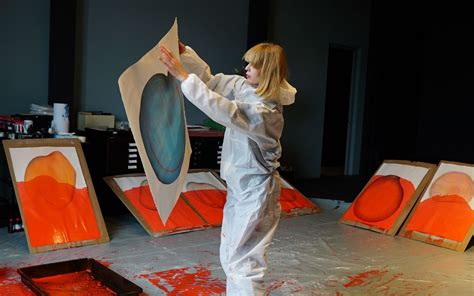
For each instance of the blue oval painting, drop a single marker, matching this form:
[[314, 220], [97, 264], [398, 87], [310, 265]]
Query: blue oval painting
[[162, 126]]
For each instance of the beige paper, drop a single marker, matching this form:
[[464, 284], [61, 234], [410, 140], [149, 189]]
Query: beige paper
[[134, 84]]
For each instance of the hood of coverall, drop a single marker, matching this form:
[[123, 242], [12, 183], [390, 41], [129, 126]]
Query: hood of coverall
[[287, 94]]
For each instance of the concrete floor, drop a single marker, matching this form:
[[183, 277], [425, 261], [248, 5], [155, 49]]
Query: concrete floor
[[310, 255]]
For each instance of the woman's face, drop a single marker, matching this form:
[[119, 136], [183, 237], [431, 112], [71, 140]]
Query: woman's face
[[252, 74]]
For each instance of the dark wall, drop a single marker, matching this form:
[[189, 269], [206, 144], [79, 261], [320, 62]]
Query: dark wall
[[446, 85], [307, 30], [24, 52], [117, 33], [419, 85]]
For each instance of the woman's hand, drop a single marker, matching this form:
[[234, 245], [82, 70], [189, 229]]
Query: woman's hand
[[174, 67], [181, 46]]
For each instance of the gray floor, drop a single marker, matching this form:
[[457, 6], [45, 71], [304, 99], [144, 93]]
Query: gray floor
[[310, 255]]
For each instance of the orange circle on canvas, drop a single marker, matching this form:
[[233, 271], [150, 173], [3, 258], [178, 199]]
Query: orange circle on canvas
[[453, 183], [380, 199], [51, 178], [146, 199]]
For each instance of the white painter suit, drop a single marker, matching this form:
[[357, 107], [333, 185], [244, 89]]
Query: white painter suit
[[249, 161]]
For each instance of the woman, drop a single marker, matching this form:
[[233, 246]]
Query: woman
[[251, 109]]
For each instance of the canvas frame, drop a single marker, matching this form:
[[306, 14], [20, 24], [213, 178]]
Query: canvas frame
[[109, 180], [408, 206], [300, 211], [120, 194], [64, 142], [426, 238]]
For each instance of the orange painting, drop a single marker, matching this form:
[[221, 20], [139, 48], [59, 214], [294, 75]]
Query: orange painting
[[446, 210], [54, 196], [293, 202], [385, 201], [137, 197], [380, 203], [207, 195]]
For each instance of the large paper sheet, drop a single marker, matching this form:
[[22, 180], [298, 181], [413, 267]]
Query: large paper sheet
[[155, 109]]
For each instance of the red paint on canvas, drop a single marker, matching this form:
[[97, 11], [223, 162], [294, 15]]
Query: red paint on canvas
[[381, 202], [190, 281], [291, 199], [446, 216], [209, 203], [51, 221], [181, 218], [76, 283]]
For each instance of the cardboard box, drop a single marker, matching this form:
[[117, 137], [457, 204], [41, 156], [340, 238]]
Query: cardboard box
[[95, 120]]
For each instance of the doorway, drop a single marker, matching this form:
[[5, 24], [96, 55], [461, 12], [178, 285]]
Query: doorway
[[336, 111]]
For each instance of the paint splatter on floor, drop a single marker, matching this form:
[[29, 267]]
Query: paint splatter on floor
[[287, 285], [196, 280], [10, 283], [365, 278], [383, 282]]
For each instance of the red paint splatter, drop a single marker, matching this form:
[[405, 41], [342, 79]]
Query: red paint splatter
[[339, 293], [361, 278], [10, 283], [275, 285], [194, 280], [289, 283]]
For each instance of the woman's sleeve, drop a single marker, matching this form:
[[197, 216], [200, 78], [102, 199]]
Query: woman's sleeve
[[252, 119], [194, 64], [225, 85]]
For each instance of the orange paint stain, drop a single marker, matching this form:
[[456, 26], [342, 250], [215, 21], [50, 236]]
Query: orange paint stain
[[291, 199], [10, 283], [380, 204], [186, 281], [364, 278], [181, 218], [77, 283], [446, 216], [209, 203], [53, 217]]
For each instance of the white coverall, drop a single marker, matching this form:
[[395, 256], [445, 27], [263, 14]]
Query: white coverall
[[249, 161]]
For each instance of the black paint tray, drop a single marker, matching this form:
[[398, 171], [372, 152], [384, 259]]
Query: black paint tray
[[108, 278]]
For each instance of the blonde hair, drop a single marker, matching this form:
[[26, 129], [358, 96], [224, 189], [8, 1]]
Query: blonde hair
[[270, 59]]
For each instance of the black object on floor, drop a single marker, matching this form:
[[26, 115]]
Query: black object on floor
[[345, 188], [100, 273]]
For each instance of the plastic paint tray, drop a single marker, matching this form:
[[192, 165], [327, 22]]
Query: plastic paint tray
[[100, 273]]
